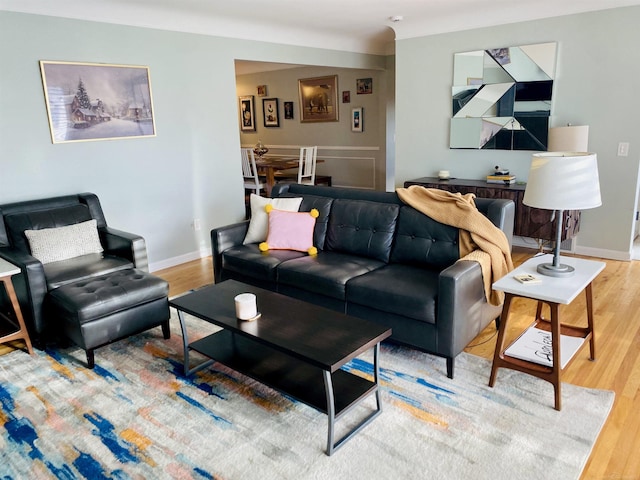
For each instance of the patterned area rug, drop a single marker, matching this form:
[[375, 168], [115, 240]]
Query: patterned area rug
[[136, 417]]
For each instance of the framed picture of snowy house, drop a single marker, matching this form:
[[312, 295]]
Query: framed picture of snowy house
[[97, 101]]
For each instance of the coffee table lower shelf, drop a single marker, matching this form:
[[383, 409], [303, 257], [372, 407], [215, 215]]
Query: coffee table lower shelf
[[332, 393]]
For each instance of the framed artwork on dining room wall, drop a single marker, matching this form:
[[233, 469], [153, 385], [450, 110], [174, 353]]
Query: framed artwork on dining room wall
[[247, 114], [288, 110], [97, 101], [364, 86], [357, 120], [318, 99], [270, 112]]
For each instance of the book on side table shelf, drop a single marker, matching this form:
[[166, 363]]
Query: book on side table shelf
[[534, 345]]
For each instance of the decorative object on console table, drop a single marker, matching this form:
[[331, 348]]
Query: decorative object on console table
[[561, 182], [529, 222], [504, 179]]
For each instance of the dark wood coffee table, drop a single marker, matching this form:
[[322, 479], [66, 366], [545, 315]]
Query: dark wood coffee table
[[295, 347]]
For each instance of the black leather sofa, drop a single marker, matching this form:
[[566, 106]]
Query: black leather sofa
[[91, 299], [378, 259]]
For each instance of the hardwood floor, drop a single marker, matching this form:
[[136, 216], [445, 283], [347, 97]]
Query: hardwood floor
[[617, 368]]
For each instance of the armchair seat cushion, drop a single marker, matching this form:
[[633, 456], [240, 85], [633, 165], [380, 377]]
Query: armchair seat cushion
[[82, 268], [88, 300], [398, 289]]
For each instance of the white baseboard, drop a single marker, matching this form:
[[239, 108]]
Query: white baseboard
[[574, 248], [172, 262], [602, 253]]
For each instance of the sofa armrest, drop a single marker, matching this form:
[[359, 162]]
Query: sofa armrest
[[463, 310], [223, 238], [501, 212], [127, 245], [30, 286]]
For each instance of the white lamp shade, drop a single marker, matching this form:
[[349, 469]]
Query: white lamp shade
[[563, 181], [572, 138]]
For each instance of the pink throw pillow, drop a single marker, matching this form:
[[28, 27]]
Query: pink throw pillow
[[290, 231]]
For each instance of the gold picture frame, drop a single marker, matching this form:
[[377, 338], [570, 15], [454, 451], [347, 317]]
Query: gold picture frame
[[318, 99], [97, 101]]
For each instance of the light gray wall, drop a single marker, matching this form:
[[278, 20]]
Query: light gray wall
[[151, 186], [596, 84], [353, 159]]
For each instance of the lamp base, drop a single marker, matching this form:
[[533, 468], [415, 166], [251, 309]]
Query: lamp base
[[551, 270]]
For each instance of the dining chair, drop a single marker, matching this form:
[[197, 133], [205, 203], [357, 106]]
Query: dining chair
[[252, 180], [307, 165]]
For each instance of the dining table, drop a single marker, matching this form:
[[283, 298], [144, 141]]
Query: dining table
[[268, 166]]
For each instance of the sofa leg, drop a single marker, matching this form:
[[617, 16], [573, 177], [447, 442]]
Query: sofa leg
[[91, 359], [450, 363], [166, 330]]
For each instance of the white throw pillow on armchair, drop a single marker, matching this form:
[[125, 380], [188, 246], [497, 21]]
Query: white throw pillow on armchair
[[61, 243]]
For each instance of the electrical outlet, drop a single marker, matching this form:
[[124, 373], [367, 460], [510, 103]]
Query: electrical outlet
[[623, 149], [196, 224]]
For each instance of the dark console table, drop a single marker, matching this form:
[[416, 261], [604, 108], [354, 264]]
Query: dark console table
[[529, 222]]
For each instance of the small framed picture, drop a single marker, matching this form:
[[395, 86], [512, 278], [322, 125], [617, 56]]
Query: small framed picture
[[364, 85], [247, 115], [288, 110], [356, 119], [346, 96], [270, 112], [262, 90]]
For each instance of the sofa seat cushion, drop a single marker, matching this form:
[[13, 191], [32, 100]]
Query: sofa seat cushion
[[326, 273], [399, 289], [83, 267], [248, 260], [98, 297]]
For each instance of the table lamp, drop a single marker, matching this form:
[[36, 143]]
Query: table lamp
[[561, 181]]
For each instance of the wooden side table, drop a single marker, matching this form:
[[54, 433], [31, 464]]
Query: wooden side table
[[8, 330], [553, 291]]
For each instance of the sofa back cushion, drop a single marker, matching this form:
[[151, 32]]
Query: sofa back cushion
[[422, 241], [362, 228], [17, 223], [323, 205]]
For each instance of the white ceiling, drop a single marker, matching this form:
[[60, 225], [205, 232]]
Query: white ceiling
[[363, 26]]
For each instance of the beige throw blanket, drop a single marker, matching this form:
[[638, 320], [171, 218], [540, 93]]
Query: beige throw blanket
[[479, 239]]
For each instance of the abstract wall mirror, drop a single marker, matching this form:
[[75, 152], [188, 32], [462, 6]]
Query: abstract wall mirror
[[501, 97]]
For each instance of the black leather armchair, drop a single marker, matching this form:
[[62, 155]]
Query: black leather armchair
[[49, 316]]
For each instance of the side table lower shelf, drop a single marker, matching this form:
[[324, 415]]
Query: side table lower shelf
[[9, 330], [553, 372]]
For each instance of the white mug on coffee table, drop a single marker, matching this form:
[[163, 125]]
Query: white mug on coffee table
[[246, 307]]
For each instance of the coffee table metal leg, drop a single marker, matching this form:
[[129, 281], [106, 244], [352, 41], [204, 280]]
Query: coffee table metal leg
[[331, 410], [185, 349]]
